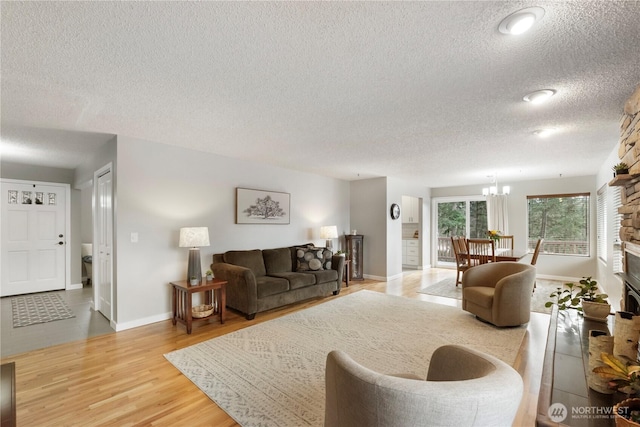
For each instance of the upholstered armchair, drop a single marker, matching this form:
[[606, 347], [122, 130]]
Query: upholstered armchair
[[463, 387], [499, 292]]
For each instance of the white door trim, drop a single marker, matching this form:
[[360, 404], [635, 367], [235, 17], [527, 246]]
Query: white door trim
[[96, 271], [67, 221]]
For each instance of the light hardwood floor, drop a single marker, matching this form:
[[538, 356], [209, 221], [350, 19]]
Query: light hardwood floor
[[122, 379]]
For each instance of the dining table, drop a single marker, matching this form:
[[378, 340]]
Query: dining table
[[510, 255], [513, 255]]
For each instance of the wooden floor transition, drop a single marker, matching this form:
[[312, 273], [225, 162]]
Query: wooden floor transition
[[122, 379]]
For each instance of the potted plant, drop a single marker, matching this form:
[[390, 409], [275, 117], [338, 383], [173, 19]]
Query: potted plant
[[209, 274], [595, 306], [341, 253], [583, 297], [620, 169], [565, 298], [193, 280]]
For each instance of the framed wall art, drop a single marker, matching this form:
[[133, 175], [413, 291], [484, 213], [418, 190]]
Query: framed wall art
[[262, 207]]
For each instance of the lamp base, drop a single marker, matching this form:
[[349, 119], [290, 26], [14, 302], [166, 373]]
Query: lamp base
[[329, 244], [194, 269]]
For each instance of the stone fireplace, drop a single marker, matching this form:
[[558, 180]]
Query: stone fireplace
[[629, 153]]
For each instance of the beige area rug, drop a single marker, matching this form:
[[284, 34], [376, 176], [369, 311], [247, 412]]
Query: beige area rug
[[272, 373], [447, 288]]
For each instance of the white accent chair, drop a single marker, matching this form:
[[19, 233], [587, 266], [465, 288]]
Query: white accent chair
[[87, 251], [463, 387]]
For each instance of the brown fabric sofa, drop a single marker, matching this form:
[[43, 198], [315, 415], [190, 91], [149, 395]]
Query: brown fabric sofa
[[259, 280], [499, 292]]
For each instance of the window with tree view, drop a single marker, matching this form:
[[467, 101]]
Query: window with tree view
[[562, 221]]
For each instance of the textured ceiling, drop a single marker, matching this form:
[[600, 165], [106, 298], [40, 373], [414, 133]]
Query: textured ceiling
[[412, 90]]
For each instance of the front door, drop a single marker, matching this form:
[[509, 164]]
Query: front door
[[34, 236]]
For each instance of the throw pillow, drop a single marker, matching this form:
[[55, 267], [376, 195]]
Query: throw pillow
[[310, 259], [328, 255]]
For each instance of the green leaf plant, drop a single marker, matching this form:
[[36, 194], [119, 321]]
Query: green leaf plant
[[572, 295], [622, 377]]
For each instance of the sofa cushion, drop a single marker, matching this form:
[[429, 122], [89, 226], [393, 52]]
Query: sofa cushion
[[324, 276], [313, 259], [297, 280], [277, 260], [480, 295], [249, 259], [268, 285]]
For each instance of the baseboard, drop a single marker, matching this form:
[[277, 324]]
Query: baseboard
[[560, 278], [74, 286], [371, 277], [395, 276], [141, 322]]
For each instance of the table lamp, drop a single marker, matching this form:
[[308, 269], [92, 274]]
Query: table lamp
[[329, 232], [194, 238]]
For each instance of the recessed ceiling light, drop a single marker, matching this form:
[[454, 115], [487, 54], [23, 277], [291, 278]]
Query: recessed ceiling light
[[543, 133], [520, 21], [539, 96]]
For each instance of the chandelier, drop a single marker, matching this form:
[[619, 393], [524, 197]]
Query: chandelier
[[494, 189]]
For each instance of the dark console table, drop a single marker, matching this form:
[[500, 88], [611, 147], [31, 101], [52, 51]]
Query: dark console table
[[8, 394], [566, 364]]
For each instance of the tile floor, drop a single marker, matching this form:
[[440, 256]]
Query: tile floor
[[87, 323]]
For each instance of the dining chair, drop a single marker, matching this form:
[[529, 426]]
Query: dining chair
[[480, 251], [459, 246], [534, 258], [505, 242], [536, 252]]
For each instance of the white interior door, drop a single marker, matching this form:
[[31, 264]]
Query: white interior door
[[104, 220], [34, 236]]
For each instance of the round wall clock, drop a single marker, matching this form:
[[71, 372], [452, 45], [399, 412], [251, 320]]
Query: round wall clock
[[395, 211]]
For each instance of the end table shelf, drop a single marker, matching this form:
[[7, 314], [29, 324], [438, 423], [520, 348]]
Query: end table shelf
[[215, 294]]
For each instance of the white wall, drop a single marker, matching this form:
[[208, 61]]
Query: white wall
[[86, 213], [369, 212], [162, 188], [550, 266], [371, 200]]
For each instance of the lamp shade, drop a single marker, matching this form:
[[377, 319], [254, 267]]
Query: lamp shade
[[194, 237], [329, 232]]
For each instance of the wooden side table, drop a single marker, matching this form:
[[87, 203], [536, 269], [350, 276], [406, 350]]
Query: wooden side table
[[215, 293], [347, 272]]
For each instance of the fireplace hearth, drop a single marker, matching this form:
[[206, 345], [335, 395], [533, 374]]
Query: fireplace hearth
[[631, 277]]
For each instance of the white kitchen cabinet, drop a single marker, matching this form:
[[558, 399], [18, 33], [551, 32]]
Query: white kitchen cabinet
[[410, 210], [410, 252]]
